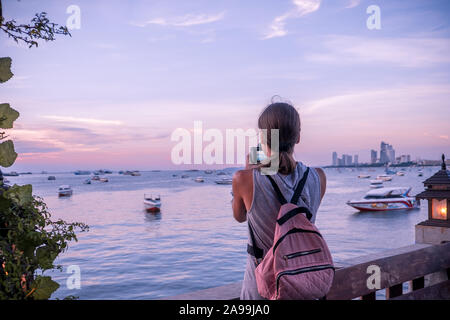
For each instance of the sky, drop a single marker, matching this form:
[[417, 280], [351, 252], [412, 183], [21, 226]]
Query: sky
[[111, 95]]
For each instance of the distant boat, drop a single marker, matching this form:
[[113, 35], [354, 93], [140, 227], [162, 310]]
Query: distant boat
[[51, 178], [384, 177], [208, 171], [224, 181], [374, 184], [184, 176], [10, 174], [152, 204], [221, 173], [82, 173], [386, 199], [26, 173], [389, 171], [199, 179], [95, 178], [401, 173], [87, 181], [103, 180], [65, 191], [132, 173], [364, 176]]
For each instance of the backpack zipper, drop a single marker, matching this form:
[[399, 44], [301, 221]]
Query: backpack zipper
[[301, 270], [301, 253]]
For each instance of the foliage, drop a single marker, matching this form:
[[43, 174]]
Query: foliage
[[40, 28], [29, 240]]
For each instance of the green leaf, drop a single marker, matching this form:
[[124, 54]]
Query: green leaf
[[7, 154], [44, 286], [5, 69], [21, 195], [7, 116]]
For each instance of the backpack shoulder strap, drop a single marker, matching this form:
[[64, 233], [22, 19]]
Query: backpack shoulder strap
[[253, 249], [300, 187], [280, 196]]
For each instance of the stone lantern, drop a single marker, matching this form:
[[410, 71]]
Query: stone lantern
[[436, 229]]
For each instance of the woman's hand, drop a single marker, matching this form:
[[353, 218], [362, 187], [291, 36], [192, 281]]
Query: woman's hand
[[249, 165]]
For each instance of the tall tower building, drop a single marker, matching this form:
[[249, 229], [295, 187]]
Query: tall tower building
[[373, 156], [335, 159]]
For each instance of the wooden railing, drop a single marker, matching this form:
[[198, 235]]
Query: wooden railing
[[424, 267]]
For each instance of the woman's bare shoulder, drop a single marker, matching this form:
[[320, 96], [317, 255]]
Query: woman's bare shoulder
[[243, 176]]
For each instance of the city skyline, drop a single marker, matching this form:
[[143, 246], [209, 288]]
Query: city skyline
[[111, 95]]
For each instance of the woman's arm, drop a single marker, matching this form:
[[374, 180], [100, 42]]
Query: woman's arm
[[323, 182], [239, 210]]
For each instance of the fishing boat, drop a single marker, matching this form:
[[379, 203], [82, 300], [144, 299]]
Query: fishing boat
[[152, 204], [386, 199], [65, 191], [364, 176], [199, 179], [82, 173], [375, 184], [224, 181], [384, 177]]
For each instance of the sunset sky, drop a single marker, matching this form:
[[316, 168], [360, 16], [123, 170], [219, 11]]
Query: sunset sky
[[111, 95]]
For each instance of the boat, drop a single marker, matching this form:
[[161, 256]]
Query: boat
[[132, 173], [386, 199], [184, 176], [374, 184], [389, 171], [420, 173], [208, 171], [103, 180], [199, 179], [95, 178], [152, 204], [400, 173], [364, 176], [221, 173], [224, 181], [87, 181], [384, 177], [82, 173], [65, 191], [51, 178], [11, 174]]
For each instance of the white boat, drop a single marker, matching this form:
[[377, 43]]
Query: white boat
[[224, 181], [400, 173], [65, 191], [386, 199], [152, 204], [95, 178], [199, 179], [103, 180], [374, 184], [208, 171], [384, 177], [364, 176]]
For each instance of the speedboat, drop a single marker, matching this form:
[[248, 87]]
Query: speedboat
[[103, 180], [82, 173], [384, 177], [208, 171], [95, 178], [224, 181], [400, 173], [364, 176], [65, 191], [152, 204], [375, 184], [386, 199], [199, 179]]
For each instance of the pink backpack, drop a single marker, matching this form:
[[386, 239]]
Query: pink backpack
[[299, 265]]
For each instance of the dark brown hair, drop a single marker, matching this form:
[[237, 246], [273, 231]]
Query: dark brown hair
[[285, 118]]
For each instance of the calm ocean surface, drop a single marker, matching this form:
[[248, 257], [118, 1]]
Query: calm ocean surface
[[194, 243]]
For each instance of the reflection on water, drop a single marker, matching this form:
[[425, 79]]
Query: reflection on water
[[194, 243]]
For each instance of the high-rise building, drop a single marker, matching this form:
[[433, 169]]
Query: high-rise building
[[356, 159], [347, 159], [387, 153], [335, 159], [373, 156]]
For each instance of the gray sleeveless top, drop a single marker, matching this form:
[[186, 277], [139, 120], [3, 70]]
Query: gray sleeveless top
[[264, 210]]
